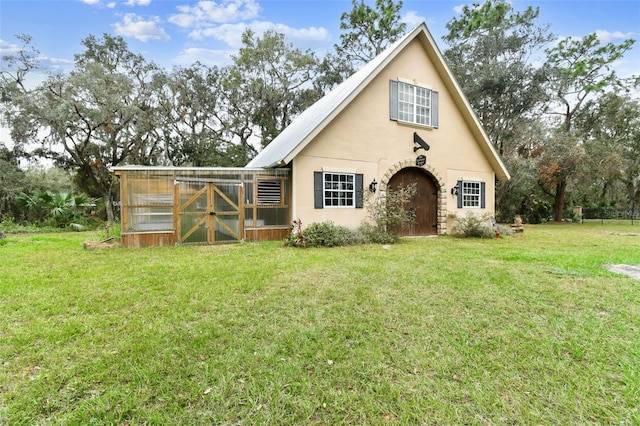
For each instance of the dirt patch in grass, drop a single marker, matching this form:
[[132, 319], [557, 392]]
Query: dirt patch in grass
[[101, 245], [625, 234], [632, 270]]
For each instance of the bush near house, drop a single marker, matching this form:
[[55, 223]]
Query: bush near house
[[474, 226], [386, 218]]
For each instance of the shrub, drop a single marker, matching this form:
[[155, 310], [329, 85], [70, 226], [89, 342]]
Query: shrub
[[323, 234], [60, 210], [474, 226], [387, 215], [375, 234]]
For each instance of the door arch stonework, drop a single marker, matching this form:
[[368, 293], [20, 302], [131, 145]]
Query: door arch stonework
[[439, 182]]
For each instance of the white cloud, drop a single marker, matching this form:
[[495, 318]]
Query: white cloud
[[607, 36], [137, 2], [7, 48], [207, 57], [109, 5], [459, 9], [231, 34], [412, 19], [206, 13], [138, 28]]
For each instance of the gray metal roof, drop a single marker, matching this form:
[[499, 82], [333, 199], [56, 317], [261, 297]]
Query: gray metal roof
[[312, 121]]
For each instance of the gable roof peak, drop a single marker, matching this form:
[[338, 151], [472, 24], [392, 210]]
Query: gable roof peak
[[295, 137]]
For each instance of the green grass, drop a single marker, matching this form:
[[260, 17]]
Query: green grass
[[527, 329]]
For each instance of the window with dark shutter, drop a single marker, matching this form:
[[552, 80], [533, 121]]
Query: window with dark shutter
[[334, 189], [413, 104], [471, 194]]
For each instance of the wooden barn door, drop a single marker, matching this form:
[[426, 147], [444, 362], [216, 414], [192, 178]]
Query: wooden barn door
[[423, 205], [208, 212]]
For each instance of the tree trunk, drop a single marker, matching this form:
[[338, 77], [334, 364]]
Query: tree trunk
[[558, 201], [108, 206]]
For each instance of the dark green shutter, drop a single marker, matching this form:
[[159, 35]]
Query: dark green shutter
[[359, 191], [434, 109], [483, 203], [459, 194], [318, 190], [393, 100]]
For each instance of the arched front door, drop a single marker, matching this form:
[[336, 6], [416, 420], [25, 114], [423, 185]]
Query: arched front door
[[423, 205]]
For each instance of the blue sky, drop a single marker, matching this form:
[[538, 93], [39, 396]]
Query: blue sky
[[179, 32]]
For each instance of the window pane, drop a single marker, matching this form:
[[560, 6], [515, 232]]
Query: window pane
[[150, 218], [272, 216], [405, 102]]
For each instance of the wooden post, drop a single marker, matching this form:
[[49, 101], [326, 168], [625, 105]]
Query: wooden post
[[176, 211]]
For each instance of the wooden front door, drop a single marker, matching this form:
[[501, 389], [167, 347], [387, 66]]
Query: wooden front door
[[208, 212], [423, 205]]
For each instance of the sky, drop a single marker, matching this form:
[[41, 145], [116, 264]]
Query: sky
[[180, 32]]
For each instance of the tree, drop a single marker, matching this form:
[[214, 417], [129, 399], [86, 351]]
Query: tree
[[101, 115], [369, 31], [12, 182], [13, 88], [576, 70], [610, 129], [269, 83], [561, 158], [490, 53], [190, 104]]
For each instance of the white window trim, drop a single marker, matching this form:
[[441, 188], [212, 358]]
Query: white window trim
[[353, 191], [479, 195], [414, 104]]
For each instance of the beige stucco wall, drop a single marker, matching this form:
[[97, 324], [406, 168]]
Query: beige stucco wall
[[362, 139]]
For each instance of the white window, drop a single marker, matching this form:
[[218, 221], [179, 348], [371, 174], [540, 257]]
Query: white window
[[339, 190], [471, 194], [414, 104]]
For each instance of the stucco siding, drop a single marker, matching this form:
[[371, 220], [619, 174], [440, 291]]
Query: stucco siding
[[362, 139]]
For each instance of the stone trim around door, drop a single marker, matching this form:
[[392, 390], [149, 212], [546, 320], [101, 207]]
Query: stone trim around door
[[442, 194]]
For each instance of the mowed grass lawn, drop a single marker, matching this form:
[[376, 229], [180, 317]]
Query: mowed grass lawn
[[527, 329]]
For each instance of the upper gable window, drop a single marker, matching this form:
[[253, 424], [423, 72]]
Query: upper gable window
[[413, 104]]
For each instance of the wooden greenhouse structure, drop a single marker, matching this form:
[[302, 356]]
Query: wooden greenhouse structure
[[165, 206]]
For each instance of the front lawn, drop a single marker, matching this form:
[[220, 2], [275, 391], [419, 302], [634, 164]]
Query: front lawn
[[527, 329]]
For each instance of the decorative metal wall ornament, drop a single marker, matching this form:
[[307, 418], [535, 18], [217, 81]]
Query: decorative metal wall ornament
[[420, 142]]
